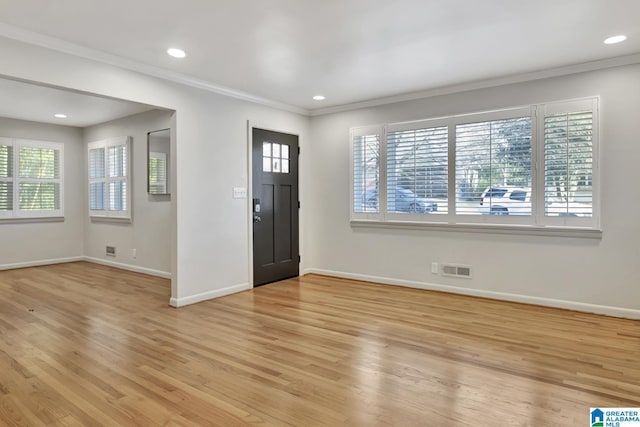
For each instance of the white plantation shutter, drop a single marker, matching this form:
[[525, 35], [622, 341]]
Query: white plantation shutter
[[569, 161], [489, 154], [30, 178], [118, 178], [109, 178], [533, 168], [417, 169], [158, 170], [366, 158], [39, 179], [97, 175], [6, 177]]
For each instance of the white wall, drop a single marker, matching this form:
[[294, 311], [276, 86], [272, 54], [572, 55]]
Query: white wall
[[210, 247], [150, 231], [35, 241], [602, 272], [210, 243]]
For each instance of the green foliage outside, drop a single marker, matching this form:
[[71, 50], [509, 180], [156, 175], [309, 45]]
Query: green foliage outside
[[36, 166]]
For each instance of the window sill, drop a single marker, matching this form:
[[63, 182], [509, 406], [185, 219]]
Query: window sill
[[527, 230], [30, 220]]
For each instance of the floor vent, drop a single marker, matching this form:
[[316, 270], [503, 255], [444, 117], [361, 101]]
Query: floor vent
[[111, 251], [462, 271]]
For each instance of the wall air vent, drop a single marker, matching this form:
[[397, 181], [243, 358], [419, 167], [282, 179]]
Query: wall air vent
[[111, 251], [460, 271]]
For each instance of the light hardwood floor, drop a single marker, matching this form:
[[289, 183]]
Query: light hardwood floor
[[83, 344]]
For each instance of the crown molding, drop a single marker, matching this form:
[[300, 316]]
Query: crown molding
[[483, 84], [33, 38]]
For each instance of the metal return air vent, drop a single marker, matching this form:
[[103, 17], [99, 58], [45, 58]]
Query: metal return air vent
[[111, 251], [461, 271]]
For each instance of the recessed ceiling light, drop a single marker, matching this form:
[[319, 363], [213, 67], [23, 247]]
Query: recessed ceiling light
[[615, 39], [176, 53], [319, 98], [60, 116]]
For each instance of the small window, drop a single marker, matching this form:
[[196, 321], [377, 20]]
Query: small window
[[366, 174], [36, 190], [275, 157], [109, 178]]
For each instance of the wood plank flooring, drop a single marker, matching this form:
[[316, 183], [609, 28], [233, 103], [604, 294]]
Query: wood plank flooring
[[83, 344]]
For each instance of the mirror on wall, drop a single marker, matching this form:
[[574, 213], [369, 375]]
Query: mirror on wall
[[158, 158]]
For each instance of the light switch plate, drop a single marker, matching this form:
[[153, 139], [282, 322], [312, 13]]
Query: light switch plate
[[239, 193]]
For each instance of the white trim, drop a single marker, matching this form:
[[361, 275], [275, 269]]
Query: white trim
[[193, 299], [128, 267], [250, 126], [602, 64], [134, 268], [41, 262], [517, 229], [59, 45], [626, 313]]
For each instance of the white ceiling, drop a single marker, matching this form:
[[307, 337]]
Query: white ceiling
[[26, 101], [347, 50]]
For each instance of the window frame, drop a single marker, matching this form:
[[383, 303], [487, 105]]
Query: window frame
[[514, 223], [551, 108], [382, 196], [16, 179], [105, 144], [511, 113], [407, 126]]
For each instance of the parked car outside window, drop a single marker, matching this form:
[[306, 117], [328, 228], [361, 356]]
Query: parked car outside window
[[402, 200], [506, 200]]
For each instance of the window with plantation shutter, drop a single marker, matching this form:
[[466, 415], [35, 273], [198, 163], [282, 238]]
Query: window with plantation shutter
[[569, 160], [366, 148], [31, 176], [417, 171], [526, 168], [109, 178], [493, 167], [158, 172], [6, 177]]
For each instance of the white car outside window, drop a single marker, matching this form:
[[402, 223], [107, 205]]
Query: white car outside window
[[506, 200]]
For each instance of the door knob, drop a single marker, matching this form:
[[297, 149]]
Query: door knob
[[256, 218]]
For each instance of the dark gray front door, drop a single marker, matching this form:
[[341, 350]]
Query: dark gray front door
[[275, 206]]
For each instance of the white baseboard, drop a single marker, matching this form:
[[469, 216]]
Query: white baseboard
[[175, 302], [181, 302], [626, 313], [134, 268], [41, 262]]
